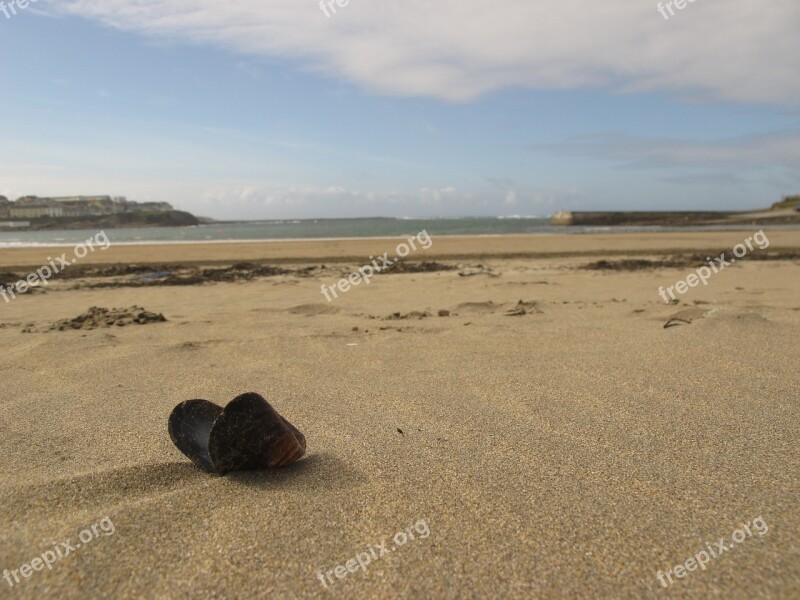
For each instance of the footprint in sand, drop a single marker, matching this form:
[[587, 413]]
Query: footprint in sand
[[414, 314], [523, 308], [523, 283], [685, 317], [487, 308], [196, 345], [311, 310], [477, 308]]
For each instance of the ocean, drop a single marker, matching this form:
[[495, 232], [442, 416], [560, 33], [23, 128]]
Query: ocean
[[315, 229]]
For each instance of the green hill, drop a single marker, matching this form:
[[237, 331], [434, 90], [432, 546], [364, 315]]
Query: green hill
[[787, 202], [175, 218]]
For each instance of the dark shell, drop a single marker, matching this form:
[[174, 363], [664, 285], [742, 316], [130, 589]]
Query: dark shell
[[248, 434]]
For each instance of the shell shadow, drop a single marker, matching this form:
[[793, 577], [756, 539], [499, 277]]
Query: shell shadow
[[91, 491], [313, 473], [123, 485]]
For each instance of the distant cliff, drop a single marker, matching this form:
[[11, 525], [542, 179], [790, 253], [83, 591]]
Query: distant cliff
[[174, 218]]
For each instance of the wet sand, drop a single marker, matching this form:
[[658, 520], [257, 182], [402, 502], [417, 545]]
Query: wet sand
[[555, 437], [449, 247]]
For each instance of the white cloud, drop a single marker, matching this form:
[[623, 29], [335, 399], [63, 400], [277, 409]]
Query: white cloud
[[736, 50], [745, 153]]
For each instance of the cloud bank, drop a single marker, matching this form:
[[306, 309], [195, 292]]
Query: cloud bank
[[744, 153], [262, 199], [457, 50]]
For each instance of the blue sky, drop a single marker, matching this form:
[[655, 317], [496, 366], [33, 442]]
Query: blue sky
[[273, 110]]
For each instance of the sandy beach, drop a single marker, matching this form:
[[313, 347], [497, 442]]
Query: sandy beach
[[533, 416]]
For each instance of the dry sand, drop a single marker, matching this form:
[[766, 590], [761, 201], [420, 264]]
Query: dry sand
[[572, 451]]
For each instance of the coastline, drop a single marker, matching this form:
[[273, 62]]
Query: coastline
[[444, 248]]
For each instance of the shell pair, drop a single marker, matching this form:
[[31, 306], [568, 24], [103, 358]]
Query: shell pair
[[248, 434]]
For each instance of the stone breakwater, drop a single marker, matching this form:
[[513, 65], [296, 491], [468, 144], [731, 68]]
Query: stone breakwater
[[673, 218]]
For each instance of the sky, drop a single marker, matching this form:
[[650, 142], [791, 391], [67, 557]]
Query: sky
[[278, 109]]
